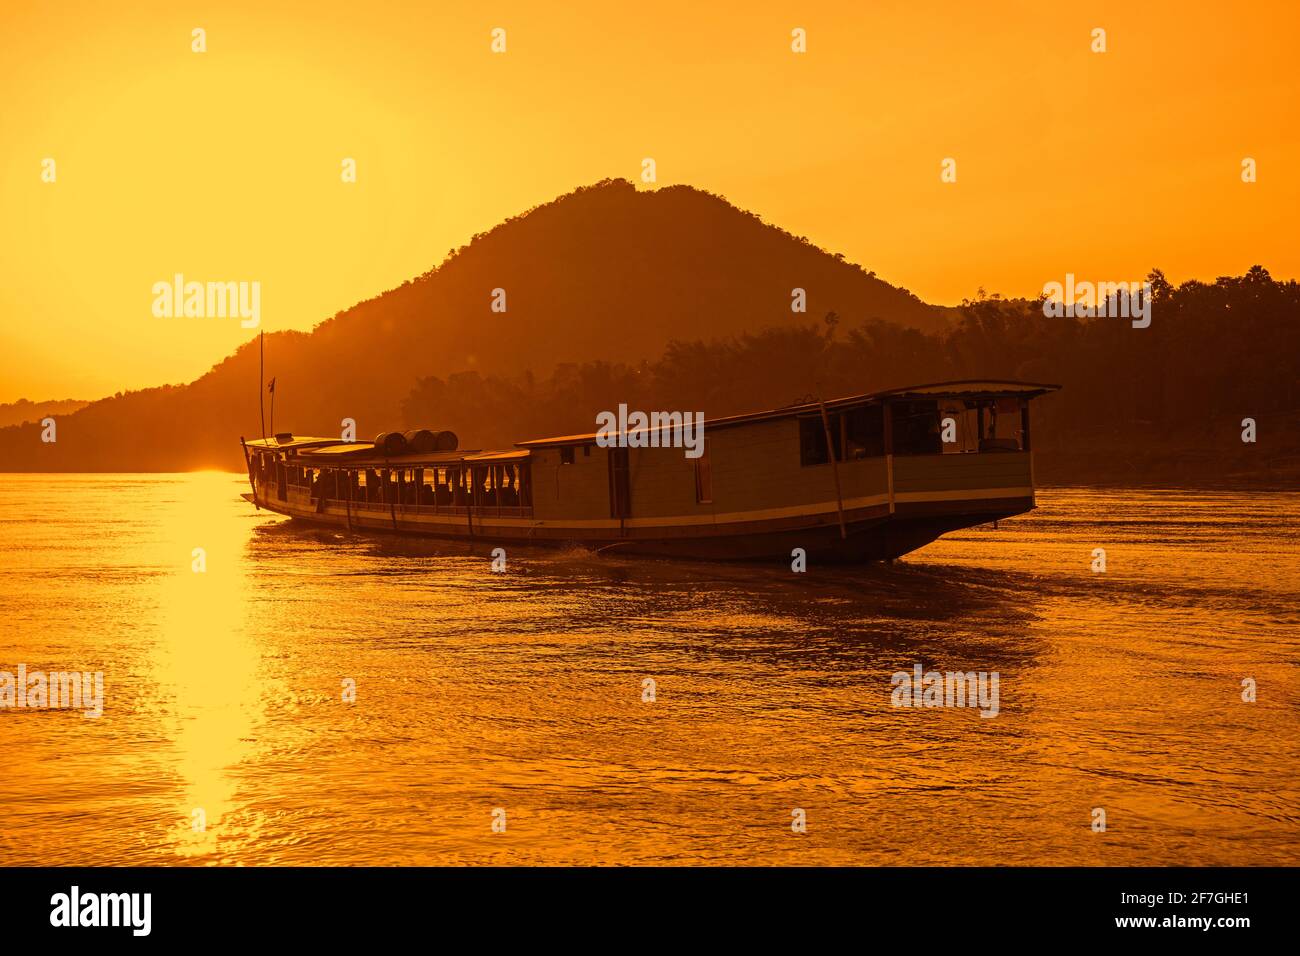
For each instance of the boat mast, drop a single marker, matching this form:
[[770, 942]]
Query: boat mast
[[831, 448], [261, 371]]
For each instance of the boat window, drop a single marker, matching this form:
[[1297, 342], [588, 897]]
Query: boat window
[[525, 485], [478, 482], [856, 433], [864, 432], [965, 431], [1001, 425], [505, 478], [812, 439], [704, 477], [981, 425], [566, 455], [444, 489], [916, 428]]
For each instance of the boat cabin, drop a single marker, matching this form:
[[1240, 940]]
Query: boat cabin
[[866, 476]]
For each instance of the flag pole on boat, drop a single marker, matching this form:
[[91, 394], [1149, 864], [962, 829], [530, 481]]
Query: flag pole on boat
[[261, 370], [831, 452], [832, 446]]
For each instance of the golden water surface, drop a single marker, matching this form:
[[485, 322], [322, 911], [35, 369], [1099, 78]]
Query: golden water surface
[[523, 691]]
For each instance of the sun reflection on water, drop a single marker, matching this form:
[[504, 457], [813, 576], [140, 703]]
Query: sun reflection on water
[[208, 661]]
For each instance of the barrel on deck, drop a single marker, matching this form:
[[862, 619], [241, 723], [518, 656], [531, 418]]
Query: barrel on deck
[[446, 441], [420, 441], [390, 443]]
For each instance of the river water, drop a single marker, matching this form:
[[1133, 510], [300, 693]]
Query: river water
[[518, 698]]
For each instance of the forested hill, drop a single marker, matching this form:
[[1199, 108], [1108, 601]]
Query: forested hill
[[1156, 405], [608, 273]]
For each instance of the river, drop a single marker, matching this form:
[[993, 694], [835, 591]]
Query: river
[[520, 698]]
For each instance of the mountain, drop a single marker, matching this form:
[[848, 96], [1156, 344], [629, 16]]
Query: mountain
[[607, 272], [23, 411]]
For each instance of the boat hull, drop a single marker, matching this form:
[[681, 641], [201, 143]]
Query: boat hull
[[868, 534]]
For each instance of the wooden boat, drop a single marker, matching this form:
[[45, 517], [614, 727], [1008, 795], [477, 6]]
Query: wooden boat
[[867, 477]]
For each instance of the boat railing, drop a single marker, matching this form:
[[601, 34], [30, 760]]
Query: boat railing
[[406, 508]]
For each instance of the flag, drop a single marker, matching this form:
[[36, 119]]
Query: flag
[[271, 387]]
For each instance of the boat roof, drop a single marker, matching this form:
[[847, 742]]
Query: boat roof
[[294, 441], [516, 454], [332, 451], [408, 459], [965, 388]]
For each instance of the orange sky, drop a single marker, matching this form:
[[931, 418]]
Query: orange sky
[[225, 165]]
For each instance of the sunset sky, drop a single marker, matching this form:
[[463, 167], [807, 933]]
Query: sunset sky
[[226, 164]]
